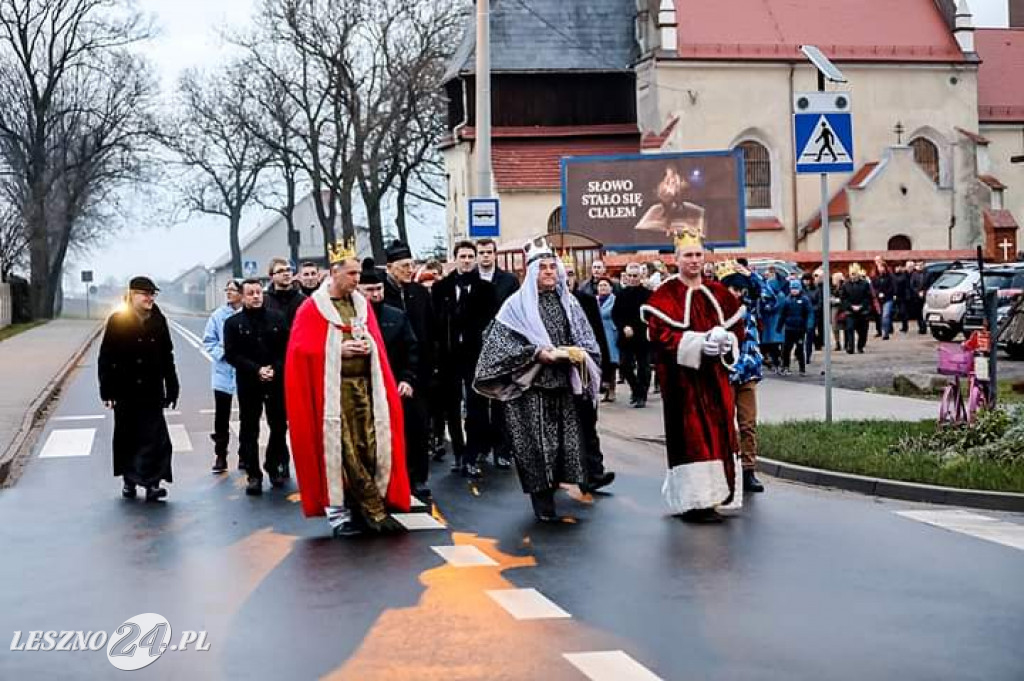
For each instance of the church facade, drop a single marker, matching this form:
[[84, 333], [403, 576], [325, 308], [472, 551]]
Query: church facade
[[933, 140]]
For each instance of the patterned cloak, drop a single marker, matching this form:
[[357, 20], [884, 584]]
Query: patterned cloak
[[699, 407]]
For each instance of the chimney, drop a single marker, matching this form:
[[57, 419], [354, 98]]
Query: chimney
[[963, 28], [1016, 13]]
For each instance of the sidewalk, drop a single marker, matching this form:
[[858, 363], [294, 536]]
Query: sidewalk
[[777, 400], [32, 364]]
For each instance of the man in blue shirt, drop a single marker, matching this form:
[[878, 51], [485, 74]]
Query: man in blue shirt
[[223, 374]]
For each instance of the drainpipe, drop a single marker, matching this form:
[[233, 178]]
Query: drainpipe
[[848, 224], [792, 169], [465, 111], [949, 232]]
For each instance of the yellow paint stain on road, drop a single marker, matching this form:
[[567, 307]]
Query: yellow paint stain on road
[[458, 633]]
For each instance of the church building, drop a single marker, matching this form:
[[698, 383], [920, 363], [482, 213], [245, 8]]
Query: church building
[[938, 113]]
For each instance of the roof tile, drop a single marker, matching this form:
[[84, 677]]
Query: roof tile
[[1002, 64], [524, 164]]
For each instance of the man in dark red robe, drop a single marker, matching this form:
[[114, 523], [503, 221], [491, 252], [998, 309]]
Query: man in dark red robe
[[696, 327], [344, 410]]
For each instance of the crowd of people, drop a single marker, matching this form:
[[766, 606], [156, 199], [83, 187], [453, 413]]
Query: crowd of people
[[375, 371]]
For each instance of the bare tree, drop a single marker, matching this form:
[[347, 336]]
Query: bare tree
[[13, 246], [223, 160], [74, 122]]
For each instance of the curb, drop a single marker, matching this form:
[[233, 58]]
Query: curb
[[893, 489], [39, 405], [879, 487]]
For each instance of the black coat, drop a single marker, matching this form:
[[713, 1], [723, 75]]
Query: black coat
[[255, 338], [285, 303], [885, 287], [136, 361], [593, 312], [399, 342], [901, 286], [505, 284], [626, 312], [460, 340], [414, 299], [856, 293]]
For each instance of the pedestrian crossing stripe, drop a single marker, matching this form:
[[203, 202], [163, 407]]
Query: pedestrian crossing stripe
[[972, 524], [610, 665], [68, 442], [180, 441]]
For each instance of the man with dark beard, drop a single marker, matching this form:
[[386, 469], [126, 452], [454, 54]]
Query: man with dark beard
[[403, 354], [138, 381]]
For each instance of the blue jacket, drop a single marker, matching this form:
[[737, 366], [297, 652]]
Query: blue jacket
[[772, 297], [796, 314], [750, 361], [223, 378], [610, 332]]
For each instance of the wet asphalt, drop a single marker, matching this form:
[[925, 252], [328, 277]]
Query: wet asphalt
[[802, 584]]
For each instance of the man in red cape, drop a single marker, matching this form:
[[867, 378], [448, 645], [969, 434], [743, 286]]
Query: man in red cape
[[696, 327], [344, 411]]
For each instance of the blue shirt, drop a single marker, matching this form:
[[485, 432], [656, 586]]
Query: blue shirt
[[223, 375]]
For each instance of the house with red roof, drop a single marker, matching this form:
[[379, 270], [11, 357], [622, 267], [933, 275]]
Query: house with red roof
[[937, 112]]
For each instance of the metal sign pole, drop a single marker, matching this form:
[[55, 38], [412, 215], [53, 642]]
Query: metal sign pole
[[826, 296]]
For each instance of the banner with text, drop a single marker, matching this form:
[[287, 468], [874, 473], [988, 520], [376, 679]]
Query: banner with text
[[639, 202]]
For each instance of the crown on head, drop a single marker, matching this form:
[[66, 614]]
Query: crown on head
[[340, 251], [689, 238], [568, 261], [537, 248], [726, 268]]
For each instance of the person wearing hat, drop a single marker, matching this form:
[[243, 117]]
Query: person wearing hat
[[855, 300], [465, 304], [539, 357], [138, 381], [402, 350], [796, 316]]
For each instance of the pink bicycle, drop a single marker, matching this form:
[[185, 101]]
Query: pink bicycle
[[958, 362]]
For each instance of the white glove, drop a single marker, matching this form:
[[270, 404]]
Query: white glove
[[711, 348], [718, 335], [727, 344]]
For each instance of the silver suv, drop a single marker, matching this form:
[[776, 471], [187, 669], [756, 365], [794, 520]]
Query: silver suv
[[946, 302]]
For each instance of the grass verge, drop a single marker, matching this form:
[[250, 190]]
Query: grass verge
[[15, 329], [1007, 395], [863, 448]]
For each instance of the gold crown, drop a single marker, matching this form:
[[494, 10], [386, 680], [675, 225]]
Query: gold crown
[[568, 260], [688, 238], [340, 251], [728, 267]]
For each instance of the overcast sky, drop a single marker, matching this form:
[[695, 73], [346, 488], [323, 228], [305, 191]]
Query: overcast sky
[[189, 37]]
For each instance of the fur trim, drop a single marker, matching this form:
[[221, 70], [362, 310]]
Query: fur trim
[[701, 484]]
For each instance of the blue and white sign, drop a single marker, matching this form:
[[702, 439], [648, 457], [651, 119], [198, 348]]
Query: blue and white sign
[[484, 218], [823, 129], [249, 268]]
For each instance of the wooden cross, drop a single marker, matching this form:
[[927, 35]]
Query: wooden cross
[[899, 130], [1005, 245]]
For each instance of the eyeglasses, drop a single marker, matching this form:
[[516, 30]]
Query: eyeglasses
[[283, 270]]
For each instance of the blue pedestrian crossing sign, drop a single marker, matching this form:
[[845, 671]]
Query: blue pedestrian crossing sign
[[823, 129]]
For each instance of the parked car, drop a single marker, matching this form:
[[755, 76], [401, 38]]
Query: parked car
[[783, 267], [1008, 281], [945, 303], [934, 270]]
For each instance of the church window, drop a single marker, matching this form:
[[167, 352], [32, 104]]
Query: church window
[[900, 242], [926, 154], [758, 167], [555, 221]]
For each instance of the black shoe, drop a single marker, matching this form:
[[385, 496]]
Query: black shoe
[[221, 464], [885, 337], [702, 516], [278, 481], [632, 401], [860, 350], [849, 351], [254, 488], [600, 481], [544, 506], [439, 453], [502, 463], [751, 483], [421, 491], [128, 491], [155, 493], [456, 465], [472, 471], [347, 529], [641, 403]]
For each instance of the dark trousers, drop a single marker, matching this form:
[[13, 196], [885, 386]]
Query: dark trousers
[[252, 400], [593, 458], [635, 365], [794, 340], [916, 312], [417, 458], [498, 443], [467, 445], [856, 324], [901, 311], [810, 342], [221, 422]]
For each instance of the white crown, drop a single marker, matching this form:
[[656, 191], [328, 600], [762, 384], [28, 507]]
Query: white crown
[[537, 248]]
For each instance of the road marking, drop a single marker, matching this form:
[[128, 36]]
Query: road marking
[[68, 442], [168, 412], [418, 521], [464, 555], [527, 604], [190, 338], [214, 411], [973, 524], [180, 441], [94, 417], [416, 503], [610, 665]]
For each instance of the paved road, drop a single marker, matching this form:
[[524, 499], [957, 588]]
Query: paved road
[[804, 584]]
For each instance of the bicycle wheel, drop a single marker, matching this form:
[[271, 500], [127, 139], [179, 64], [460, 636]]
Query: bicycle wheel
[[977, 398]]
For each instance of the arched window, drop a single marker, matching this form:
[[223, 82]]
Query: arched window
[[899, 242], [758, 167], [555, 221], [926, 154]]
